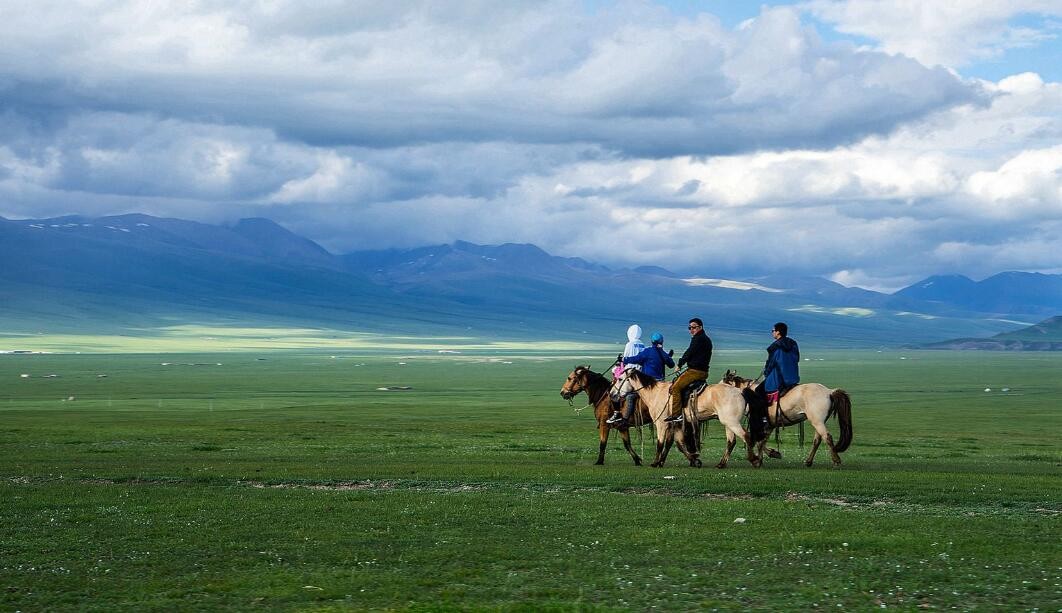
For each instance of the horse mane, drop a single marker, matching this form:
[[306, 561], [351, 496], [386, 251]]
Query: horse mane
[[591, 374], [643, 379], [596, 383]]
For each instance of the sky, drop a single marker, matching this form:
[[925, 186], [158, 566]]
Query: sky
[[870, 142]]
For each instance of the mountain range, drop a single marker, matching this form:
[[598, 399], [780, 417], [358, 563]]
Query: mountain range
[[128, 273], [1044, 336]]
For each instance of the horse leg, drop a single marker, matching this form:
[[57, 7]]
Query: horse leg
[[770, 451], [602, 434], [668, 441], [814, 447], [755, 460], [688, 450], [821, 432], [663, 445], [750, 447], [833, 452], [626, 435], [731, 440], [733, 424]]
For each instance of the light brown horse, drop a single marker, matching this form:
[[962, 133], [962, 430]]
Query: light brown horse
[[596, 386], [718, 401], [813, 402]]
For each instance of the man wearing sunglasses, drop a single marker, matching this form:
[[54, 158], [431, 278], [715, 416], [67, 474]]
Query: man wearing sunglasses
[[697, 357]]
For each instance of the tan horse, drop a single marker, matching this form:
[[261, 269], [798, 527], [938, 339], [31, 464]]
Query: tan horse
[[718, 401], [813, 402], [596, 386]]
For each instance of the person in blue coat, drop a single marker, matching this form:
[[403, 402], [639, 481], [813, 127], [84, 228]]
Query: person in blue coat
[[782, 369], [781, 372], [652, 359]]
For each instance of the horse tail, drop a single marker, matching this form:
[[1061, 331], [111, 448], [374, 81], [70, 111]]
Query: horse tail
[[841, 404]]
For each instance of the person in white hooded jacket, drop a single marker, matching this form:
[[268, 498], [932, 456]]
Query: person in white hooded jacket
[[633, 347]]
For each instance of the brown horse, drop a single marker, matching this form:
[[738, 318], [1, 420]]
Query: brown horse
[[596, 386], [813, 402]]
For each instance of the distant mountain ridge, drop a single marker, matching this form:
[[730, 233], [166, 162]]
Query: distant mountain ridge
[[1044, 336], [136, 271], [1006, 292]]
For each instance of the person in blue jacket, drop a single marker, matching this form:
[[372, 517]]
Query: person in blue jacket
[[781, 372], [652, 359]]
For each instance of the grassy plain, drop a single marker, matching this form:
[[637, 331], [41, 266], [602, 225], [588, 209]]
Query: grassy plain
[[288, 480]]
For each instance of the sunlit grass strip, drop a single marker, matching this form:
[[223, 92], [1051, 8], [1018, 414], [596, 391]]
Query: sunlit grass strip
[[196, 338]]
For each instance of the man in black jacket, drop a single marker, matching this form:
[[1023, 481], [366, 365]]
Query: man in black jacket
[[697, 357]]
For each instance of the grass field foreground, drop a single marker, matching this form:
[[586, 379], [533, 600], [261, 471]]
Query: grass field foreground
[[290, 480]]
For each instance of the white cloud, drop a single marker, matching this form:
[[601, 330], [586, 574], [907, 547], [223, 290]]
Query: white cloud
[[335, 178], [950, 33], [1031, 179]]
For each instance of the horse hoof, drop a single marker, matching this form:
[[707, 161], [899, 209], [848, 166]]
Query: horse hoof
[[637, 462], [695, 463], [808, 464], [599, 463]]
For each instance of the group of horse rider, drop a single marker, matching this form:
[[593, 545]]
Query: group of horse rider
[[781, 371]]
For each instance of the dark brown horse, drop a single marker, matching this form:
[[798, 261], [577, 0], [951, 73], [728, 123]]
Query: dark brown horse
[[596, 386]]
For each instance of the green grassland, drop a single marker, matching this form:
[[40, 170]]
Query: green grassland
[[288, 480]]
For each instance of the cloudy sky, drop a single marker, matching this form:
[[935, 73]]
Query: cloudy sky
[[870, 142]]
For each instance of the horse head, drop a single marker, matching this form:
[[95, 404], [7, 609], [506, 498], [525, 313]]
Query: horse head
[[731, 378], [577, 381], [631, 381]]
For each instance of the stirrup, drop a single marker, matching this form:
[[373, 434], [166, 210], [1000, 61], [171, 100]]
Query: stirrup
[[676, 419]]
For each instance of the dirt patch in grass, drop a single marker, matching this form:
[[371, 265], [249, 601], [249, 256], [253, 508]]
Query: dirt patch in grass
[[794, 497], [344, 486]]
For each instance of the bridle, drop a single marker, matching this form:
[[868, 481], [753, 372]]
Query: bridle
[[582, 376]]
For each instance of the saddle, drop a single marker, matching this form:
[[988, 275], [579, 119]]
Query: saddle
[[693, 390], [782, 391]]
